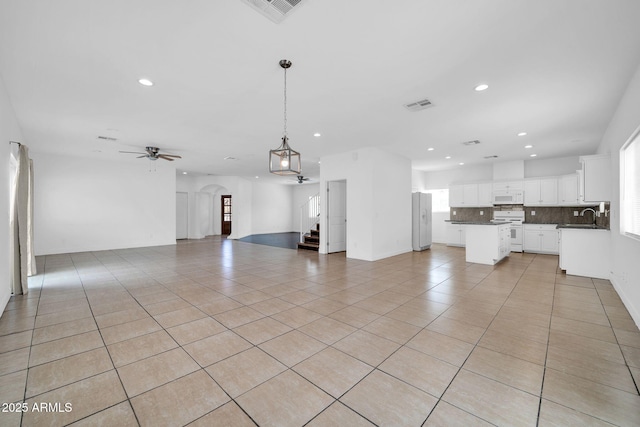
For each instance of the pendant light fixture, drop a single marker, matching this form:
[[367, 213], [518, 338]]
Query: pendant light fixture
[[284, 160]]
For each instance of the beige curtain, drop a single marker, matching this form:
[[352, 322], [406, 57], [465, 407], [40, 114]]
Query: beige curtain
[[21, 225]]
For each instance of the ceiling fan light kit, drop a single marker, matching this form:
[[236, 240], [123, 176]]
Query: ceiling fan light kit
[[284, 160]]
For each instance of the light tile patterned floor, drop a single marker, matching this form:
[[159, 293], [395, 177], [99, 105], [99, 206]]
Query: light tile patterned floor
[[219, 332]]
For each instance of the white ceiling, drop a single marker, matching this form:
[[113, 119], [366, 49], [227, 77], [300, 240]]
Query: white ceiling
[[555, 69]]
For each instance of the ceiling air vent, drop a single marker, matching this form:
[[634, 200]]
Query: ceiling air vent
[[474, 142], [418, 105], [275, 10], [107, 138], [491, 157]]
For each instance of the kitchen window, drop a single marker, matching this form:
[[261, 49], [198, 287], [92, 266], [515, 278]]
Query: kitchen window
[[439, 200], [630, 187]]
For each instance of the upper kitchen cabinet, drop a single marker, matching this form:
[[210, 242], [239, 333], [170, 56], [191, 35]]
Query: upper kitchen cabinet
[[541, 192], [568, 190], [508, 186], [596, 178], [463, 195], [485, 190]]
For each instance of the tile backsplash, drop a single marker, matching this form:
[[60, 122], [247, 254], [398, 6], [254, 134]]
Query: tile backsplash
[[543, 215], [565, 215]]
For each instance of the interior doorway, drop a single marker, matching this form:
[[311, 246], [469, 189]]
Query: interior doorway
[[225, 203], [337, 216], [182, 215]]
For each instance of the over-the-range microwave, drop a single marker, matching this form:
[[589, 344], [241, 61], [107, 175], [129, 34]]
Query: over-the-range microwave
[[508, 197]]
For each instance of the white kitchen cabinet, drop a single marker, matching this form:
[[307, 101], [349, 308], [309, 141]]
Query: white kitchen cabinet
[[456, 235], [541, 192], [568, 190], [463, 195], [485, 190], [585, 252], [508, 186], [541, 238], [487, 244], [596, 175]]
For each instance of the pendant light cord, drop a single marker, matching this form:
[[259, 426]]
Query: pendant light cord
[[285, 102]]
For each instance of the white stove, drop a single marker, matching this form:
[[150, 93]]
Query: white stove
[[516, 218]]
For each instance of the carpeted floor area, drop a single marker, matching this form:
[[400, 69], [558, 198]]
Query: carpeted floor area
[[280, 240]]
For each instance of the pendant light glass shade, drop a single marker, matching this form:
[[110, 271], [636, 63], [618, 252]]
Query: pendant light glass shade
[[284, 160]]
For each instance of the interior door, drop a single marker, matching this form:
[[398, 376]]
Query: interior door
[[226, 214], [182, 216], [337, 211]]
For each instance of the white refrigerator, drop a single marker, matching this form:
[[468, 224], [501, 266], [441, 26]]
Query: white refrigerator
[[421, 220]]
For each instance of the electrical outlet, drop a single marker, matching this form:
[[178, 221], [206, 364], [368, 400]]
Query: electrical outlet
[[481, 213], [454, 212], [575, 213], [533, 213]]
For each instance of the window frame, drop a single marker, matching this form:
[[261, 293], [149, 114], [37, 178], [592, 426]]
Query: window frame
[[627, 204]]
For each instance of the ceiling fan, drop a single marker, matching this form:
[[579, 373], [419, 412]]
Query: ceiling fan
[[302, 179], [153, 153]]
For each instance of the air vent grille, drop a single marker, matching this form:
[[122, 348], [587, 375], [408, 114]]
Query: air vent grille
[[275, 10], [107, 138], [491, 157], [474, 142], [418, 105]]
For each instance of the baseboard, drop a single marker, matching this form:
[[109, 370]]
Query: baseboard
[[633, 311], [4, 301]]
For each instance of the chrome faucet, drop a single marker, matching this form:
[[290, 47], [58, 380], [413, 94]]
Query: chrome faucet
[[589, 209]]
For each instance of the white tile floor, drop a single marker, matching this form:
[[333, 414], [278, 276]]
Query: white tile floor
[[216, 332]]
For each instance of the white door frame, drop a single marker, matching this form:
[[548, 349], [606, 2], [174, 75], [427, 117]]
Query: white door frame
[[336, 216]]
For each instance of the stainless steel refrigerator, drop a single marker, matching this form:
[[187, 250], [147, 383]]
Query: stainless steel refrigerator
[[421, 235]]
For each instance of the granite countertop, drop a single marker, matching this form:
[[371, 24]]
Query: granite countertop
[[581, 227], [476, 222]]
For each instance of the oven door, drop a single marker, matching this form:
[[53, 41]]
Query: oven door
[[516, 238]]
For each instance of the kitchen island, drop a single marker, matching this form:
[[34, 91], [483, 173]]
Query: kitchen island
[[486, 242]]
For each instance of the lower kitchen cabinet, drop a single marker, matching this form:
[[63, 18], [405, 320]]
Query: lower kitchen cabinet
[[585, 252], [456, 235], [541, 238]]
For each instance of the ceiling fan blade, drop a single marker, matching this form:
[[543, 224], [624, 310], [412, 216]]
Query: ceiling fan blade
[[144, 155], [162, 156], [131, 152], [171, 155]]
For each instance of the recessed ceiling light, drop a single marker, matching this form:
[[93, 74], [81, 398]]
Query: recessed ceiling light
[[430, 149], [522, 134], [317, 135], [448, 157], [532, 155], [145, 82], [528, 146], [481, 87], [184, 173], [461, 163], [257, 177]]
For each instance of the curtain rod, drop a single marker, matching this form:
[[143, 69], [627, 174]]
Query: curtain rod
[[15, 142]]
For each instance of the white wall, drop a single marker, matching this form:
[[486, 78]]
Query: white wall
[[435, 180], [551, 167], [378, 202], [625, 253], [91, 204], [271, 208], [301, 195], [9, 131]]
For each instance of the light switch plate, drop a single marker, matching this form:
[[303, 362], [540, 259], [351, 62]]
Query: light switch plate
[[454, 212], [481, 212], [533, 213], [575, 213]]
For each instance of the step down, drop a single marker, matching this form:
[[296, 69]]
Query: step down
[[309, 246]]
